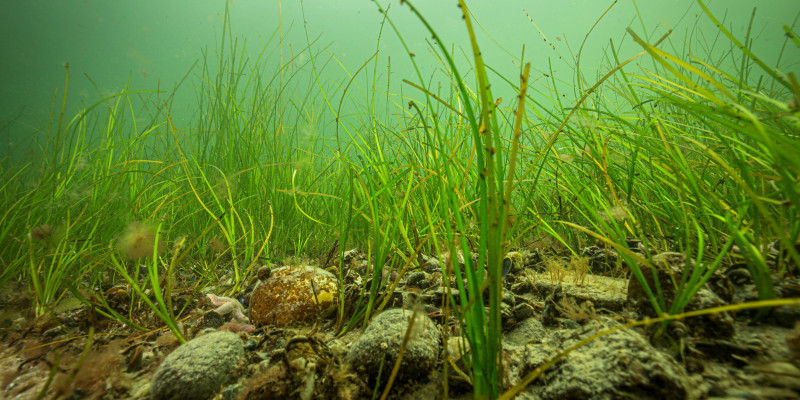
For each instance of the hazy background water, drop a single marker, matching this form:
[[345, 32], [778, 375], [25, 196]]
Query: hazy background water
[[151, 44]]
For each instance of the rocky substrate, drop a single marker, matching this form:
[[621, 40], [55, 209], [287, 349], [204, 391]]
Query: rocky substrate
[[281, 338]]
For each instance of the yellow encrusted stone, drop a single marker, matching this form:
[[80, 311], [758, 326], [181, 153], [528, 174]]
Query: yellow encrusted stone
[[293, 295]]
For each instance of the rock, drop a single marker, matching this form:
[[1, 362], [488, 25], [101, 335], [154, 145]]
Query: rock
[[198, 368], [382, 340], [622, 364], [717, 325], [671, 264], [603, 291], [523, 311], [530, 258], [288, 296], [780, 374], [551, 312], [264, 272], [530, 330], [431, 265], [352, 254], [418, 279], [784, 316], [793, 340], [211, 319], [251, 345], [601, 260]]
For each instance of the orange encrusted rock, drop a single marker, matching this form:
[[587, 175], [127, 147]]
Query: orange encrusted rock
[[293, 295]]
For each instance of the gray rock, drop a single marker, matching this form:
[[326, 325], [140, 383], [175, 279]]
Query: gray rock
[[382, 341], [530, 330], [622, 364], [198, 368]]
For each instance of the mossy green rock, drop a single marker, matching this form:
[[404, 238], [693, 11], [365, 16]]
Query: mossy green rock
[[198, 368]]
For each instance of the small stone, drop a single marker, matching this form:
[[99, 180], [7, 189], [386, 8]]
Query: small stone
[[382, 341], [570, 324], [198, 368], [432, 264], [600, 260], [264, 273], [231, 392], [417, 280], [288, 296], [211, 319], [351, 255], [523, 311], [251, 345]]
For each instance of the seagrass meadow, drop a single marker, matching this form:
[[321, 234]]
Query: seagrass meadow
[[415, 199]]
